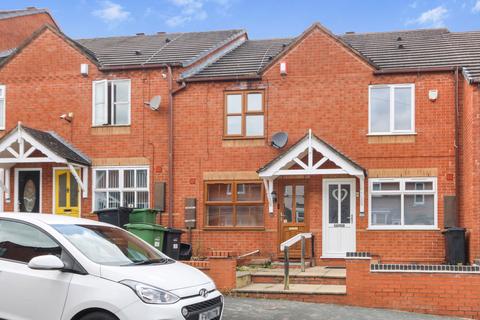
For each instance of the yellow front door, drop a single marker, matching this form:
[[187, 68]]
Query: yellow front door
[[67, 194]]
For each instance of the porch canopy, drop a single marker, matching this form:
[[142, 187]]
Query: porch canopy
[[32, 146], [310, 156]]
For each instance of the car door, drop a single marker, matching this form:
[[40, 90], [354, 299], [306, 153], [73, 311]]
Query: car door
[[25, 293]]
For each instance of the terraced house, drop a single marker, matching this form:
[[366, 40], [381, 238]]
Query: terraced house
[[366, 141]]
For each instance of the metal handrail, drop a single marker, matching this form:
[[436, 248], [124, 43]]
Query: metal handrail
[[285, 247]]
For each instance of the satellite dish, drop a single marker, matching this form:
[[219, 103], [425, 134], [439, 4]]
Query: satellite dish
[[279, 140], [154, 103]]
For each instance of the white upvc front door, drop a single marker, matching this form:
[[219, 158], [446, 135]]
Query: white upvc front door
[[338, 217]]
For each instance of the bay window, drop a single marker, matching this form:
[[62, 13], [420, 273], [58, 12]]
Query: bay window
[[111, 102], [234, 204], [120, 187], [244, 114], [404, 203], [392, 109]]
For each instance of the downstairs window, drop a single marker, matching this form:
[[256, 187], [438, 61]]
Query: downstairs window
[[234, 204], [406, 203]]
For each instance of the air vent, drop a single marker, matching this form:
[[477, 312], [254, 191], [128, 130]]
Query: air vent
[[399, 39], [167, 40], [401, 46], [138, 52]]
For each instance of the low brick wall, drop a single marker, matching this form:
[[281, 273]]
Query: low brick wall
[[221, 266], [442, 293]]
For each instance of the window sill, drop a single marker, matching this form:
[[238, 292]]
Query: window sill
[[242, 138], [110, 130], [403, 228], [234, 229], [389, 134]]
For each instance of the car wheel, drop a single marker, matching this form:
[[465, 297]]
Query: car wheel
[[98, 315]]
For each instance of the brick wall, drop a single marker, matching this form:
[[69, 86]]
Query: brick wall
[[326, 89], [452, 294], [469, 200], [16, 30], [221, 268]]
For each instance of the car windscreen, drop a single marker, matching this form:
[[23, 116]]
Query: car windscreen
[[110, 246]]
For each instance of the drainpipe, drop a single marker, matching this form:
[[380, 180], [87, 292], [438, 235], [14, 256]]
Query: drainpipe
[[457, 145], [171, 93]]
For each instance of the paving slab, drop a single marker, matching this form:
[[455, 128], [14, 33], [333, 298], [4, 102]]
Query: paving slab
[[294, 288], [261, 309]]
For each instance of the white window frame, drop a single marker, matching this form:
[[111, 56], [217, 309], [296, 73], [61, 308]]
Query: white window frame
[[392, 130], [121, 187], [111, 98], [402, 192], [3, 97]]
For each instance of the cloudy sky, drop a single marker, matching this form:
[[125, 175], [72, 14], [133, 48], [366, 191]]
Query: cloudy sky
[[262, 18]]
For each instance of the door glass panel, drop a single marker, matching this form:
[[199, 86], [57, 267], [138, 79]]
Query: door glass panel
[[62, 190], [333, 203], [73, 192], [345, 203], [288, 204], [300, 203]]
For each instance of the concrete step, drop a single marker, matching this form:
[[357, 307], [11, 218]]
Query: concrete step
[[315, 275], [265, 289]]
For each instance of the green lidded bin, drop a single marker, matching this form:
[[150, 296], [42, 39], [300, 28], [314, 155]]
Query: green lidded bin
[[151, 233], [143, 216]]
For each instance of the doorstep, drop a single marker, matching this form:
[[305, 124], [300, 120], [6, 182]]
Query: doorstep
[[278, 288]]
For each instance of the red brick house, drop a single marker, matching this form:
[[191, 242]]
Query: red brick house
[[18, 25], [380, 131]]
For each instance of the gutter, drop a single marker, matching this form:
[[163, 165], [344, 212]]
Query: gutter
[[223, 78], [414, 70]]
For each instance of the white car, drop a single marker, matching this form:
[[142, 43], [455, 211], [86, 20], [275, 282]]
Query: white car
[[60, 268]]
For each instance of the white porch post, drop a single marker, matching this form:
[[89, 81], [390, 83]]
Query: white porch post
[[7, 185], [85, 182], [77, 177], [268, 190], [362, 195]]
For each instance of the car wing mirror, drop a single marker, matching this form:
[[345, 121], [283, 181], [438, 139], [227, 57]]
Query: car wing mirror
[[47, 262]]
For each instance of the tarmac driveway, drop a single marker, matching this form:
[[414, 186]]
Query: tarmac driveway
[[259, 309]]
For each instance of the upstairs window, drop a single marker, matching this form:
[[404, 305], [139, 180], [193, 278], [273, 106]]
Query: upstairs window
[[2, 107], [111, 102], [392, 109], [244, 114]]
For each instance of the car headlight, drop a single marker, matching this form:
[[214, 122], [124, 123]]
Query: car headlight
[[149, 294]]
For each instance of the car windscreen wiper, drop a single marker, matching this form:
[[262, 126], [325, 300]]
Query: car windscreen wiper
[[151, 261]]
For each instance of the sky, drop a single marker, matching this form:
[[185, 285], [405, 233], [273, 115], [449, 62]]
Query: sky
[[261, 18]]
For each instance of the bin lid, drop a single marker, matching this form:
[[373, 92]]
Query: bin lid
[[107, 210], [144, 210], [145, 226], [454, 229], [172, 230]]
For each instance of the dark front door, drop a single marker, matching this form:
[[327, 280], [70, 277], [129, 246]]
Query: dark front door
[[29, 191], [293, 216]]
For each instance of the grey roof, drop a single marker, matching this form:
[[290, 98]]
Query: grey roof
[[414, 49], [58, 146], [164, 48], [420, 49], [248, 59], [5, 14]]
